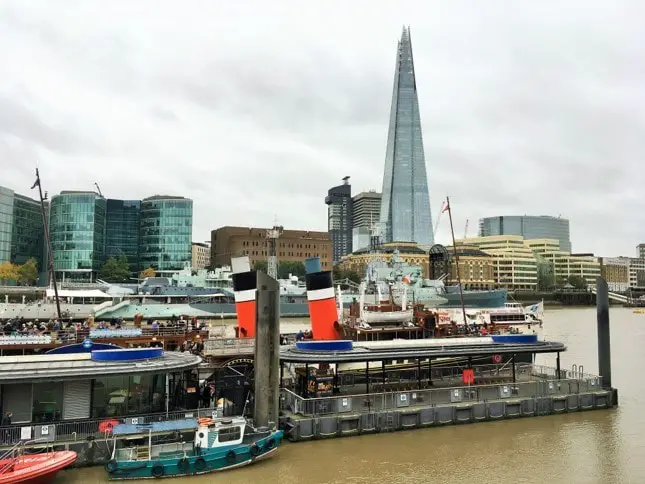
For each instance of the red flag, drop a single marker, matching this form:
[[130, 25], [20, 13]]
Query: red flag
[[446, 206]]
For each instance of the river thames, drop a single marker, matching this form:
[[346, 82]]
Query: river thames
[[588, 447]]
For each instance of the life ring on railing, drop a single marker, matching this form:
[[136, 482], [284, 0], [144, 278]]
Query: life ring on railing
[[200, 464], [269, 444], [107, 426], [205, 421], [497, 358], [255, 450], [182, 465], [231, 457], [111, 466], [157, 470]]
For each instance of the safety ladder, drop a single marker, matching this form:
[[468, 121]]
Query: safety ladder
[[143, 453]]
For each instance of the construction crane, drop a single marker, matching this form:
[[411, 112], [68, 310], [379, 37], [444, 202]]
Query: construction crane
[[273, 234], [466, 230], [98, 188]]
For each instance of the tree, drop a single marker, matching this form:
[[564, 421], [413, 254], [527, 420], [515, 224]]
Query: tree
[[289, 267], [28, 272], [260, 265], [339, 274], [8, 271], [115, 269], [578, 282], [149, 272]]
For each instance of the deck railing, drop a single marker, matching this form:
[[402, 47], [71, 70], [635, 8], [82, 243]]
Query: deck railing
[[75, 431], [542, 381]]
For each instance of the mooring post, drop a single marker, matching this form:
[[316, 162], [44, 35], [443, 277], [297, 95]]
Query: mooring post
[[267, 352], [604, 352]]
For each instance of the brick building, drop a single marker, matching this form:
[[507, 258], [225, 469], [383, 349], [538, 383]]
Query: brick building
[[293, 245]]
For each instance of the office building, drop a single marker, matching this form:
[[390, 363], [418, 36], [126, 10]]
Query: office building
[[529, 227], [640, 251], [21, 230], [122, 231], [292, 246], [77, 228], [367, 210], [405, 203], [636, 272], [515, 265], [339, 219], [201, 255], [615, 270], [165, 233]]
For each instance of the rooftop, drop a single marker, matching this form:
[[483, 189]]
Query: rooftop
[[75, 366]]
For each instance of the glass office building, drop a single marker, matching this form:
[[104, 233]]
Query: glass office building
[[122, 231], [529, 227], [405, 202], [339, 219], [165, 233], [21, 229], [77, 227]]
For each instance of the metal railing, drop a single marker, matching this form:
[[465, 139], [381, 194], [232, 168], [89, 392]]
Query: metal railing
[[75, 431], [229, 346], [543, 383]]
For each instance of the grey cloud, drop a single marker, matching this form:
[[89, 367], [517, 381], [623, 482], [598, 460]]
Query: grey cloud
[[256, 109]]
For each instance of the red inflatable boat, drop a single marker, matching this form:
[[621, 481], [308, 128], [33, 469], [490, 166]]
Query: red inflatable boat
[[35, 468]]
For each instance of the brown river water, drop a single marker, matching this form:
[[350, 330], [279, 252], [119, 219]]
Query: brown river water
[[604, 446]]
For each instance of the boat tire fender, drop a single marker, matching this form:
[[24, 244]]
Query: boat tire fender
[[111, 466], [200, 464], [182, 465], [269, 444], [231, 457], [157, 470], [255, 450]]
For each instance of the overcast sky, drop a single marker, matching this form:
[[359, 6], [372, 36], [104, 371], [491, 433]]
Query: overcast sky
[[255, 109]]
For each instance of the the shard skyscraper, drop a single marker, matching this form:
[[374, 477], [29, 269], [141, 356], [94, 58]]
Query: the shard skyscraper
[[405, 202]]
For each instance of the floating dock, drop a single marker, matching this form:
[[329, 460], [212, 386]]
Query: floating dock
[[423, 383]]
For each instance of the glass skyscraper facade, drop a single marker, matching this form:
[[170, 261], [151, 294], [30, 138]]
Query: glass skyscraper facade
[[122, 231], [77, 228], [405, 202], [339, 219], [529, 227], [21, 229], [165, 233]]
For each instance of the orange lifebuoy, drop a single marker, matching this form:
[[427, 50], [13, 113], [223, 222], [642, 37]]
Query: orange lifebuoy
[[107, 426], [497, 358], [205, 422]]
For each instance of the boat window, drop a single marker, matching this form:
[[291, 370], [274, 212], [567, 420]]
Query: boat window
[[47, 401], [229, 434]]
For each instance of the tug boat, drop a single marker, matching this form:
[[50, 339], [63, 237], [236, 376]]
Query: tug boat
[[220, 444], [18, 467]]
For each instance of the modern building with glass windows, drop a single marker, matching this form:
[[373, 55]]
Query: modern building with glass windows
[[529, 227], [21, 229], [339, 219], [122, 230], [405, 202], [165, 233], [77, 227]]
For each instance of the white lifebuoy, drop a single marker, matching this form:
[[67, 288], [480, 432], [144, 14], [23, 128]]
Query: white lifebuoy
[[497, 358]]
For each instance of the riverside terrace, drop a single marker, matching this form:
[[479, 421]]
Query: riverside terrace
[[339, 388]]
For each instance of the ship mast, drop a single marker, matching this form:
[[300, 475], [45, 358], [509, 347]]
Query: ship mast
[[454, 246], [50, 253]]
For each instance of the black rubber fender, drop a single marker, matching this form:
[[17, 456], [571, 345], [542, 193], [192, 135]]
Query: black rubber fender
[[157, 470], [231, 457], [183, 465], [269, 444], [255, 450], [200, 464]]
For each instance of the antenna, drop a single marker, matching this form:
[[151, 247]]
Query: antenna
[[98, 188]]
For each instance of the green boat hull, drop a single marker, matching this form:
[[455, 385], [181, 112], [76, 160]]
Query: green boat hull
[[178, 464]]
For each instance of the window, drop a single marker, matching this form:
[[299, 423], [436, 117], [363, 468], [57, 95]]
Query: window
[[230, 434], [48, 401]]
